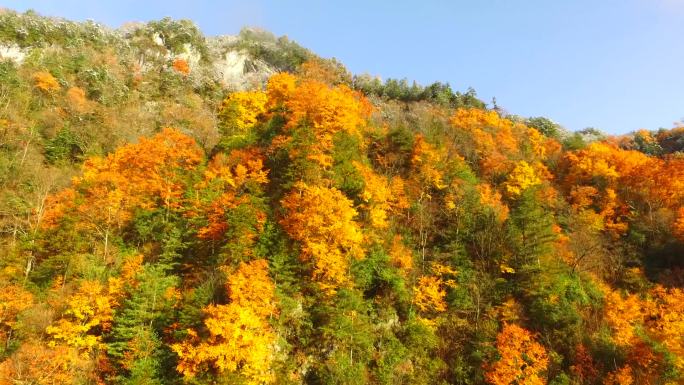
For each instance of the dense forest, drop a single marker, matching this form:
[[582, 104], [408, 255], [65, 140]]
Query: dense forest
[[183, 209]]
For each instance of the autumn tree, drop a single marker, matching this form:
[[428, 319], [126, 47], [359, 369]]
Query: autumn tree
[[490, 140], [45, 82], [230, 210], [405, 227], [430, 292], [381, 196], [88, 315], [623, 314], [181, 65], [322, 220], [330, 72], [35, 363], [239, 336], [665, 321], [521, 178], [617, 177], [324, 110], [678, 227], [145, 175], [401, 256], [240, 110], [522, 360], [427, 181], [77, 101], [13, 300], [491, 199]]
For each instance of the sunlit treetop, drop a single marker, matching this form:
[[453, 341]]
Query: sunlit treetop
[[323, 221], [522, 360]]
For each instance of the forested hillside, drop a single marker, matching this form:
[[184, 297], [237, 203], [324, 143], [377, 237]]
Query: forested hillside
[[182, 209]]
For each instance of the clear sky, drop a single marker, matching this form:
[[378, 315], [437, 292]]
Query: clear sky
[[615, 65]]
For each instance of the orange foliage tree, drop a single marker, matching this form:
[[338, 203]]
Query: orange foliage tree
[[678, 226], [491, 199], [328, 72], [610, 169], [77, 100], [522, 360], [494, 140], [618, 184], [401, 256], [13, 300], [664, 321], [622, 315], [621, 376], [145, 175], [34, 363], [45, 82], [229, 182], [584, 366], [326, 110], [181, 65]]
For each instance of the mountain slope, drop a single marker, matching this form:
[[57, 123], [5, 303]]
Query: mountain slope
[[236, 210]]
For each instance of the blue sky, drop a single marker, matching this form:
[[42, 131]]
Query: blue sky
[[611, 64]]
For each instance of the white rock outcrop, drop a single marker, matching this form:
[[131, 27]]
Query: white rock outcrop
[[238, 71], [12, 52]]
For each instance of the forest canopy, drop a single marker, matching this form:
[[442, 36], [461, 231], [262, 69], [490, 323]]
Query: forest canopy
[[164, 224]]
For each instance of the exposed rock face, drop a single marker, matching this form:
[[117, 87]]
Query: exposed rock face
[[238, 62], [238, 71], [190, 54], [12, 52]]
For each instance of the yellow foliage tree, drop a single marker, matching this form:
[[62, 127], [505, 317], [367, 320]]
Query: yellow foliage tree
[[380, 196], [430, 292], [89, 312], [521, 178], [425, 159], [322, 220], [240, 338], [537, 143], [241, 110]]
